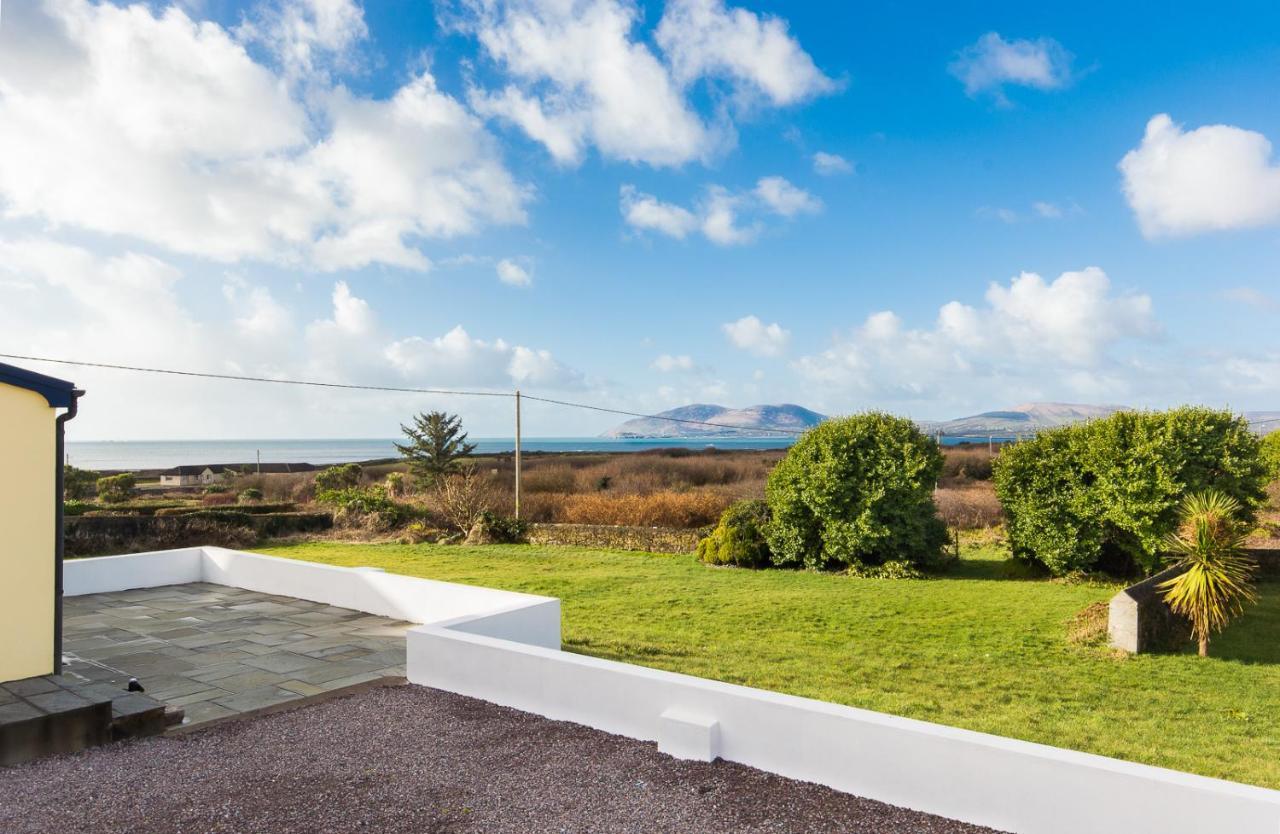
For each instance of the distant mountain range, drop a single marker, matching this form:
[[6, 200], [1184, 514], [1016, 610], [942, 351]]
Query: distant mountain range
[[775, 420], [1027, 418], [756, 421]]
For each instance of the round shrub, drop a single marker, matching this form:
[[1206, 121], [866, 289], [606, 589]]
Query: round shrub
[[856, 491], [1270, 451], [250, 494], [1105, 494], [739, 538]]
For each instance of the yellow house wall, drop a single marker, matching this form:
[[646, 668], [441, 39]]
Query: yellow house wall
[[27, 448]]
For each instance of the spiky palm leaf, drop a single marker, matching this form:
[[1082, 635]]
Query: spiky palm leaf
[[1218, 579]]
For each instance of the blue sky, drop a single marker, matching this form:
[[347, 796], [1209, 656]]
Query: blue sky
[[930, 209]]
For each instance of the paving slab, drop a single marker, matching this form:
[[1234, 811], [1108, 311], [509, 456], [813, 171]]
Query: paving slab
[[216, 651]]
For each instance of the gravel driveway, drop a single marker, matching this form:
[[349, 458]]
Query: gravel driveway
[[412, 759]]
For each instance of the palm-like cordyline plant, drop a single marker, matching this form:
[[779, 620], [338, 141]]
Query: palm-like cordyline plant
[[1218, 579]]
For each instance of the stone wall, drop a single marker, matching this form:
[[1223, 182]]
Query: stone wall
[[1139, 621], [649, 539], [92, 535]]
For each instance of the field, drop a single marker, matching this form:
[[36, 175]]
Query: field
[[984, 647], [660, 488]]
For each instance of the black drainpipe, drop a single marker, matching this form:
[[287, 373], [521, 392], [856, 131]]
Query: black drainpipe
[[60, 456]]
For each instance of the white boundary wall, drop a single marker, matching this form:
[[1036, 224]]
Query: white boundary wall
[[530, 619], [504, 647]]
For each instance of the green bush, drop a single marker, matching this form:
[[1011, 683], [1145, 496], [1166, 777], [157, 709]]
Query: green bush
[[1271, 454], [250, 494], [856, 491], [77, 484], [74, 507], [346, 476], [739, 538], [1105, 494], [114, 489], [497, 529], [368, 506]]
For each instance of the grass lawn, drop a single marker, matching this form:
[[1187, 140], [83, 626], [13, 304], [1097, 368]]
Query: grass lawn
[[982, 648]]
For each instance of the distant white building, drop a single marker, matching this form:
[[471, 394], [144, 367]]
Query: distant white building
[[191, 476], [216, 473]]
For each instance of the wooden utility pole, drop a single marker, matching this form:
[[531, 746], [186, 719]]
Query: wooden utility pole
[[517, 454]]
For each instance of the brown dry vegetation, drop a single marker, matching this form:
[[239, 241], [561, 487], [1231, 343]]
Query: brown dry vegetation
[[660, 488]]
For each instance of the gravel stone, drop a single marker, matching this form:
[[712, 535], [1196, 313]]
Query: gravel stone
[[413, 760]]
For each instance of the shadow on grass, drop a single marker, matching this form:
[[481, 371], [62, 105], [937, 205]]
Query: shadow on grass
[[989, 569], [1255, 637]]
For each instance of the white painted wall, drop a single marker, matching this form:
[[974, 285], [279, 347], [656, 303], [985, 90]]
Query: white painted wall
[[527, 618], [504, 647], [1003, 783], [105, 574]]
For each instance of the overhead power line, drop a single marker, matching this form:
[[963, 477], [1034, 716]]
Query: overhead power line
[[387, 388], [656, 416]]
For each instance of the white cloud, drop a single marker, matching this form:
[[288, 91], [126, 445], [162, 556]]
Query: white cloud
[[786, 199], [510, 272], [1031, 333], [751, 334], [668, 363], [458, 359], [259, 314], [578, 77], [1049, 211], [704, 38], [131, 309], [646, 212], [306, 35], [1253, 298], [830, 164], [719, 211], [993, 62], [1212, 178], [726, 218], [163, 129]]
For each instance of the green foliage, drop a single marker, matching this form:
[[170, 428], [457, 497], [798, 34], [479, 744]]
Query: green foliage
[[1106, 494], [365, 504], [893, 569], [336, 478], [857, 491], [502, 529], [77, 484], [77, 507], [251, 494], [1270, 451], [214, 489], [1218, 579], [739, 538], [114, 489], [436, 446]]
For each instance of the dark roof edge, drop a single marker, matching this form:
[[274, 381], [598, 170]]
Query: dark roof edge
[[57, 392]]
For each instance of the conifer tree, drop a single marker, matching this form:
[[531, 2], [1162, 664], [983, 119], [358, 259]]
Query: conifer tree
[[436, 446]]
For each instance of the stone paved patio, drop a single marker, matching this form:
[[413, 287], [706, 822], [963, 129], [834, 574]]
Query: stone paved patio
[[217, 651]]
